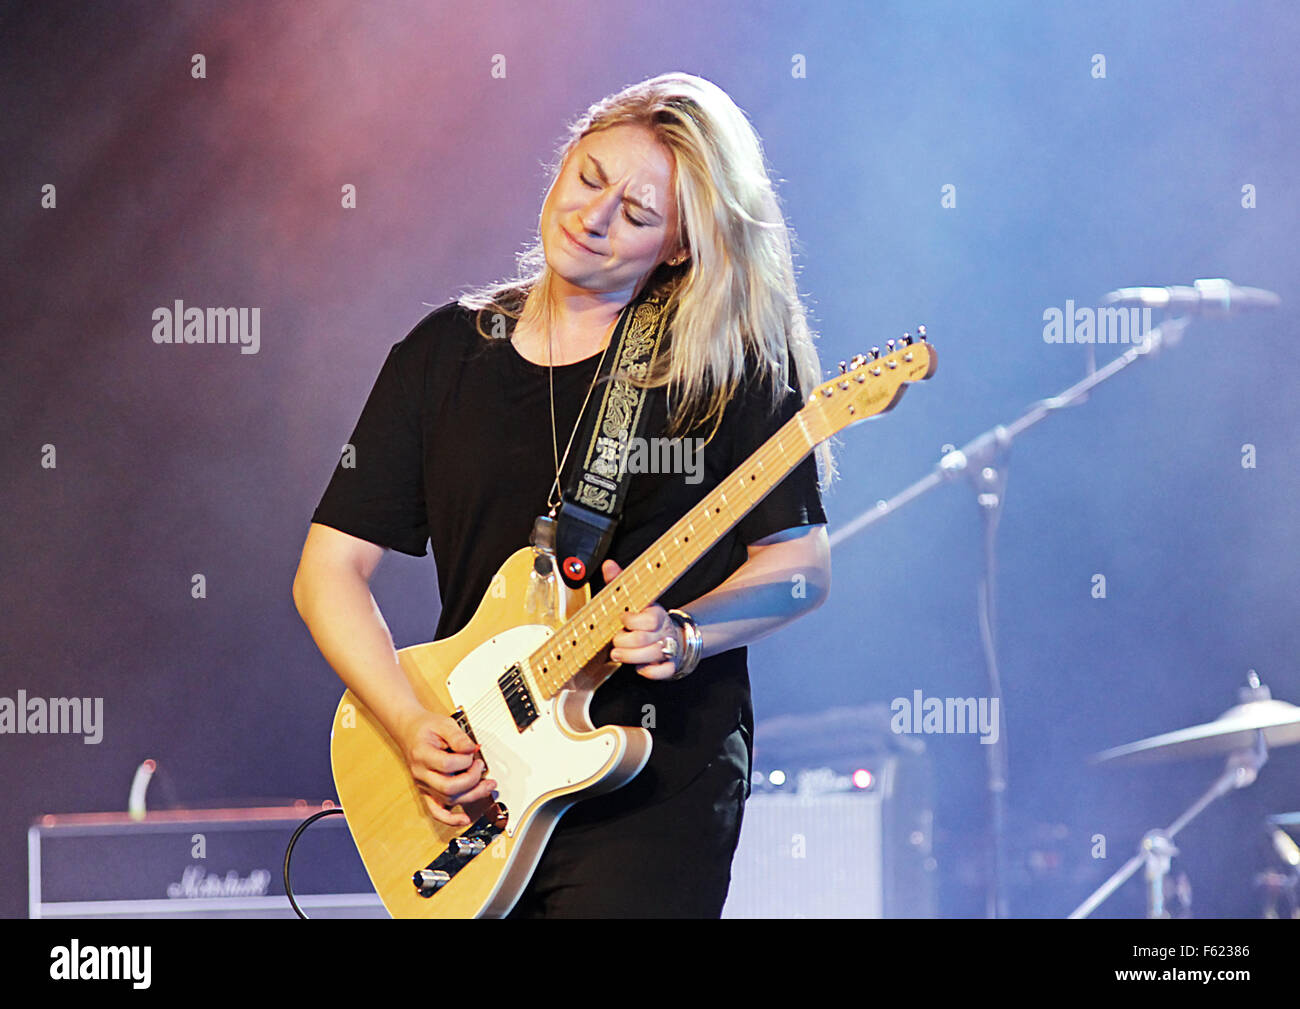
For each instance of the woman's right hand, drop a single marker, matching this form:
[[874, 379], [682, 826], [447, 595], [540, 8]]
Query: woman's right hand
[[445, 764]]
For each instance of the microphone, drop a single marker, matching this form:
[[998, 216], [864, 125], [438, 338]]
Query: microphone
[[1213, 297]]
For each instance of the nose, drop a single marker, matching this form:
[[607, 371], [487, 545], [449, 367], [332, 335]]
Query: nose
[[596, 215]]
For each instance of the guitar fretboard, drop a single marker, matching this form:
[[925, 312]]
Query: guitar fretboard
[[647, 578]]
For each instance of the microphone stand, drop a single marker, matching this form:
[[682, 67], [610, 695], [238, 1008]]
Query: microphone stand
[[984, 462]]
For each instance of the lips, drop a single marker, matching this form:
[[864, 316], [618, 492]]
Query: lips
[[574, 242]]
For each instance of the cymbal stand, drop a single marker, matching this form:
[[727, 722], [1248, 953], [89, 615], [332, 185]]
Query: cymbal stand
[[1157, 848]]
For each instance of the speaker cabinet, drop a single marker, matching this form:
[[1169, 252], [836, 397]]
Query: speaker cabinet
[[836, 843]]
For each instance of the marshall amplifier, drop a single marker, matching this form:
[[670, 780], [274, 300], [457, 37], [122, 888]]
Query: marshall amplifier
[[210, 863]]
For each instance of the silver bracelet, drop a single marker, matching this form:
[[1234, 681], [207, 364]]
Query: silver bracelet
[[694, 643]]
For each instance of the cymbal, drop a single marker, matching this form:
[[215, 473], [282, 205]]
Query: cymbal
[[1233, 730]]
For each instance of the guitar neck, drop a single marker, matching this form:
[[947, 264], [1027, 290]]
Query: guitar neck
[[647, 578], [871, 386]]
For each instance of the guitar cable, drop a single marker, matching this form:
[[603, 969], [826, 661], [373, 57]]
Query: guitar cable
[[288, 854]]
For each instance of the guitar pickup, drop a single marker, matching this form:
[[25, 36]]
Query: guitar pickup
[[518, 697]]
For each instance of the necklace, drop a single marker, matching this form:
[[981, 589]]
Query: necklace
[[554, 496]]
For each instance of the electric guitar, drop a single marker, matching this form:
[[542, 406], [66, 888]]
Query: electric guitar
[[519, 679]]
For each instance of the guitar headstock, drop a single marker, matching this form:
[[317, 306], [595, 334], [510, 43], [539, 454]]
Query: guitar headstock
[[870, 384]]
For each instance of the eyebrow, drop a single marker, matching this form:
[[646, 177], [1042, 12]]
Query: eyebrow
[[600, 170]]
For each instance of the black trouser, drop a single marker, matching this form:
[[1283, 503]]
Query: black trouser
[[671, 859]]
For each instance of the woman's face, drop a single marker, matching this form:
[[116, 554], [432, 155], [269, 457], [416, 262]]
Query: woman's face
[[610, 218]]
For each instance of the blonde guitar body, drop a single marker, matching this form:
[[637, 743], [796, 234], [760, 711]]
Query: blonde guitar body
[[520, 675], [541, 770]]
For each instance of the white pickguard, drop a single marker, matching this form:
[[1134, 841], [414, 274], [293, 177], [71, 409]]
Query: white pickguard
[[525, 765]]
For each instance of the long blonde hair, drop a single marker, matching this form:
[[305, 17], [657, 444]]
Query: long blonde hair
[[736, 293]]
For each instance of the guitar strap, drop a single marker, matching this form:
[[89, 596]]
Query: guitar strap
[[597, 484]]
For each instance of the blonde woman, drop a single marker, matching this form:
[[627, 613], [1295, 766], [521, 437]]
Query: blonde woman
[[661, 187]]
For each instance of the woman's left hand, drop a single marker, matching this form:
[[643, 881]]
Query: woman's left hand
[[642, 643]]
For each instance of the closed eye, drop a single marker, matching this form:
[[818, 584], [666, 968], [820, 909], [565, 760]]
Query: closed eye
[[626, 212]]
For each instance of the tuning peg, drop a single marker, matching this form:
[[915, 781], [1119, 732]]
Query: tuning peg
[[875, 353], [857, 362], [907, 339], [890, 345], [843, 367], [920, 333]]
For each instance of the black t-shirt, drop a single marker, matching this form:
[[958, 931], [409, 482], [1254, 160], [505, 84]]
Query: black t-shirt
[[454, 447]]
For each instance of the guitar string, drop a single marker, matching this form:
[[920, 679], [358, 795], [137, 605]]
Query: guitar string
[[498, 714], [671, 551], [757, 462], [494, 715]]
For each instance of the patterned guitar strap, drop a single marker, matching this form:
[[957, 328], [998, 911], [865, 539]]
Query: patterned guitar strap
[[598, 481]]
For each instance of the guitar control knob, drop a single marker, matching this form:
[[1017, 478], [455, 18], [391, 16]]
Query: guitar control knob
[[465, 846], [430, 881]]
